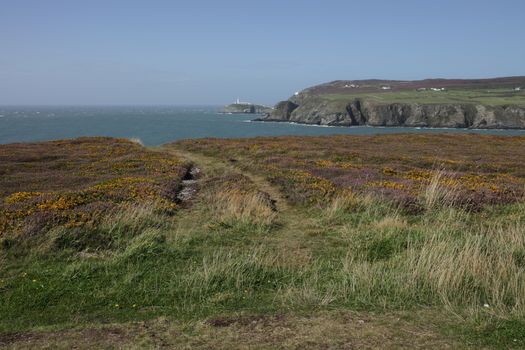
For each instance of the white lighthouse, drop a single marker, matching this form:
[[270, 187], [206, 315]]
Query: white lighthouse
[[239, 102]]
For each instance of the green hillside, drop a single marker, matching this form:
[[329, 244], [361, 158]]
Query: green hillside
[[496, 97]]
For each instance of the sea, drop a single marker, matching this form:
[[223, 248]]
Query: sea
[[156, 125]]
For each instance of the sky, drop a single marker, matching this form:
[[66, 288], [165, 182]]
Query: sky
[[209, 52]]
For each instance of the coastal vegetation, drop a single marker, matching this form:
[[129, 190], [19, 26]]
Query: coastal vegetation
[[479, 170], [395, 241], [497, 103], [245, 108], [74, 182], [490, 97], [491, 92]]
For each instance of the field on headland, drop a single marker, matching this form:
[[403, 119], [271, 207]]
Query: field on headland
[[435, 103], [393, 241], [489, 92], [491, 97]]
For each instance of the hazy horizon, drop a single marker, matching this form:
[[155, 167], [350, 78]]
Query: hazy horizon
[[208, 53]]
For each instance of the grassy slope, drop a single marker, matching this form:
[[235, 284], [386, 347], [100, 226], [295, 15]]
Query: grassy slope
[[493, 92], [493, 97], [230, 272]]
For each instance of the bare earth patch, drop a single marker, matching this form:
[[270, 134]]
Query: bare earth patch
[[322, 330]]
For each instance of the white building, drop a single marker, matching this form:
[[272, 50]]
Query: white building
[[239, 102], [386, 88], [517, 89]]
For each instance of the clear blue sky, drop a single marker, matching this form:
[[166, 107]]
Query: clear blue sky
[[211, 51]]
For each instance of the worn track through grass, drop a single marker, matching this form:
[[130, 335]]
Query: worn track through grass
[[295, 238], [208, 164], [294, 223], [292, 239]]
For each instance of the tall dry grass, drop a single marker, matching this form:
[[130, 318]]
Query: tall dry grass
[[132, 216], [136, 140], [244, 207], [447, 257], [437, 194], [484, 272], [485, 267]]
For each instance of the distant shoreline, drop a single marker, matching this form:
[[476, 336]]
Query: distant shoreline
[[257, 120]]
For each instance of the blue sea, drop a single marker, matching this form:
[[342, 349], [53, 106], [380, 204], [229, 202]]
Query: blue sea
[[158, 125]]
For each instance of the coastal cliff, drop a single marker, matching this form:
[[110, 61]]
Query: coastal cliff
[[246, 108], [492, 107]]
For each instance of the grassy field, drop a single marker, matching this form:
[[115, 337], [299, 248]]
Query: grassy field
[[492, 97], [399, 241]]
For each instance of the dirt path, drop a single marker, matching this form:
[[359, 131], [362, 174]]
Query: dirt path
[[293, 219], [290, 239], [212, 165], [337, 329]]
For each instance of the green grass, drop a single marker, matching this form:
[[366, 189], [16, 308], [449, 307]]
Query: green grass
[[138, 263], [369, 259], [493, 97], [231, 259]]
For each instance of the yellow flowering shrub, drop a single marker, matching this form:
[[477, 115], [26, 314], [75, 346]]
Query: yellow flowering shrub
[[21, 196], [73, 182]]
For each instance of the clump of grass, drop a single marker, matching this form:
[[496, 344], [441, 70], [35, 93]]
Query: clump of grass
[[447, 256], [136, 140], [354, 210], [244, 271], [437, 194], [146, 246], [233, 207], [114, 232], [130, 219], [341, 204], [476, 269], [394, 221]]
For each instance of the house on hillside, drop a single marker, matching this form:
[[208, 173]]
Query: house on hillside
[[386, 88], [517, 88]]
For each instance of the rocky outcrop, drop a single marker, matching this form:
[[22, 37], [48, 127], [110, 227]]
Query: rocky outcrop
[[499, 118], [316, 110], [281, 112], [245, 108]]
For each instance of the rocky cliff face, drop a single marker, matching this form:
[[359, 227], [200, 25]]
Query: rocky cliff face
[[282, 111], [244, 108], [320, 111]]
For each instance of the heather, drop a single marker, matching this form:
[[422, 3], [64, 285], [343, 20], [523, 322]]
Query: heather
[[76, 182], [480, 170], [283, 243]]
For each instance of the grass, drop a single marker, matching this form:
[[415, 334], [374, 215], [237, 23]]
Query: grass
[[480, 170], [259, 259], [492, 97], [327, 330]]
